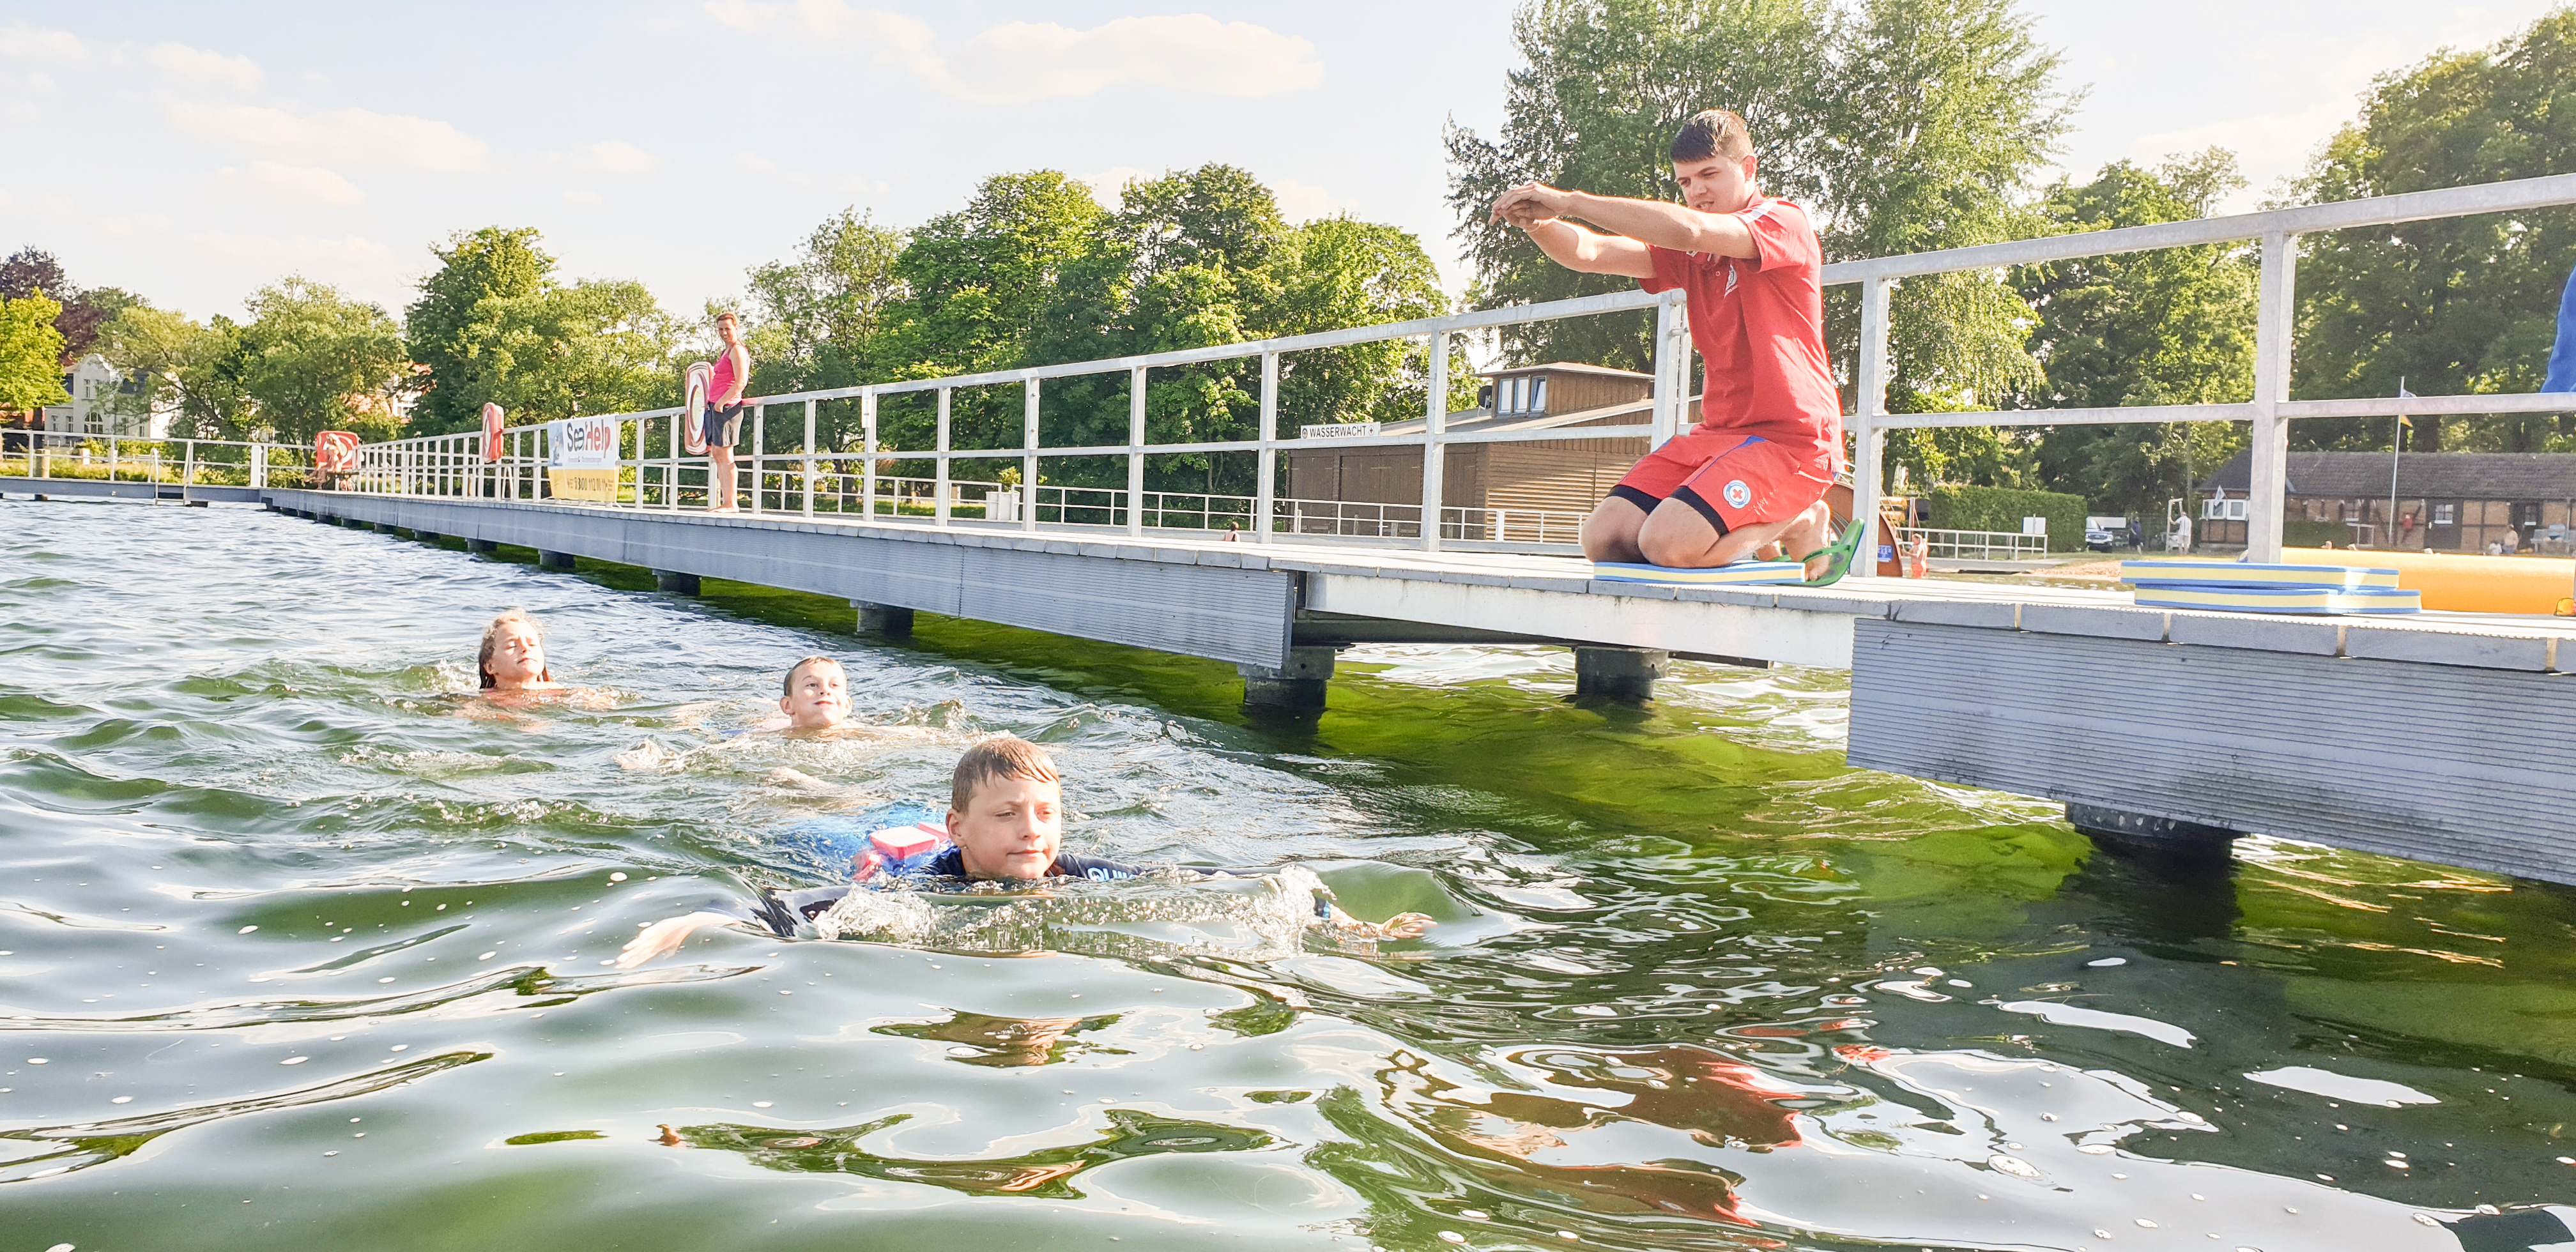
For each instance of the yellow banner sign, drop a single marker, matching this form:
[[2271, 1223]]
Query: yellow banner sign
[[573, 484]]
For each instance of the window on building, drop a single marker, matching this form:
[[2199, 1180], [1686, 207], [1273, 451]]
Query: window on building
[[1538, 395], [2446, 514]]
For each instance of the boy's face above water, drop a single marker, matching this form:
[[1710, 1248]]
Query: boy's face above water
[[819, 697], [1010, 829], [518, 655]]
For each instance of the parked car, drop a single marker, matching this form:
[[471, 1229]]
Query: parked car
[[2100, 540]]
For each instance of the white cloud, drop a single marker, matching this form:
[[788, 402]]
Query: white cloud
[[359, 266], [754, 163], [296, 184], [586, 199], [355, 137], [1301, 202], [615, 156], [195, 65], [21, 41], [128, 225], [1020, 62], [1109, 184]]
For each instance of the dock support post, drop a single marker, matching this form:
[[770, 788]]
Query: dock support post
[[885, 621], [485, 546], [1619, 673], [1297, 685], [553, 560], [672, 580], [2152, 838], [429, 537]]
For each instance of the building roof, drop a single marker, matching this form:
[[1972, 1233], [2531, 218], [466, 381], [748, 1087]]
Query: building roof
[[2420, 475], [1565, 367], [1628, 413]]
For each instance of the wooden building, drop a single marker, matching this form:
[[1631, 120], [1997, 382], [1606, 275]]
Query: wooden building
[[2445, 501], [1540, 481]]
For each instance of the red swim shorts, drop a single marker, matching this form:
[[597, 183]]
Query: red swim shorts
[[1733, 480]]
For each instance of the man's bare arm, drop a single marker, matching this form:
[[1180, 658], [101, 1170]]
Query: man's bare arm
[[1672, 226], [1586, 252]]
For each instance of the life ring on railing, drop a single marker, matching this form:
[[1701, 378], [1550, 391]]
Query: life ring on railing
[[491, 431], [335, 456], [696, 383]]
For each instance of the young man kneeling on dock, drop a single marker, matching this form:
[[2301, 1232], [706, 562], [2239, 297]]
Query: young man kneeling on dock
[[1005, 824], [1755, 470]]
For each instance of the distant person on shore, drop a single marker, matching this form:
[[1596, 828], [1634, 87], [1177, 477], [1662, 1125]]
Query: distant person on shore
[[2562, 358], [1754, 472], [1005, 824], [723, 416]]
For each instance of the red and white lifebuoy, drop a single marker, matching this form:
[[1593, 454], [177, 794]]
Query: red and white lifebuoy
[[693, 407], [335, 452], [491, 431]]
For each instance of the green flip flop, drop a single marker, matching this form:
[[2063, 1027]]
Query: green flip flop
[[1840, 551]]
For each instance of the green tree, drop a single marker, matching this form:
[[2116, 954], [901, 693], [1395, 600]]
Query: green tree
[[979, 279], [815, 317], [1904, 125], [493, 263], [2171, 326], [313, 360], [592, 347], [2457, 306], [31, 375], [174, 358]]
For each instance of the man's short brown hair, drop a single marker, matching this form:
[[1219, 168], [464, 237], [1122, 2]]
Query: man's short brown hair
[[1005, 757], [1712, 133]]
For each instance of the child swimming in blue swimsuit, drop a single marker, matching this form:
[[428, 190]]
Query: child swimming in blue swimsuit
[[1005, 823]]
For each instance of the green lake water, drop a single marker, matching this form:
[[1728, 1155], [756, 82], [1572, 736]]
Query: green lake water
[[298, 952]]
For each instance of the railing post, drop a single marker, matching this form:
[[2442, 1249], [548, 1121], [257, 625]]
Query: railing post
[[759, 445], [1265, 497], [1136, 451], [1672, 367], [1869, 403], [939, 506], [1435, 423], [2267, 493], [809, 450], [671, 468], [111, 462], [188, 468], [1029, 456], [868, 460]]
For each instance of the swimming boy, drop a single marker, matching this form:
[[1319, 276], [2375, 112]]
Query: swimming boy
[[815, 695], [1769, 441], [1005, 823]]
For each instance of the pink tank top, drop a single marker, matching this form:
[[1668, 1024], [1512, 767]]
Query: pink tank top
[[722, 380]]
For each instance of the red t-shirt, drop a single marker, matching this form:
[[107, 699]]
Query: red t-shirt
[[1760, 323]]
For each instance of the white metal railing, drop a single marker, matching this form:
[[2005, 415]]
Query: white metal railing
[[1980, 545], [793, 481], [183, 463], [653, 474]]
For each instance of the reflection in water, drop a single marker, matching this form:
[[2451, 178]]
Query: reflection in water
[[1009, 1041], [51, 1150], [1045, 1174]]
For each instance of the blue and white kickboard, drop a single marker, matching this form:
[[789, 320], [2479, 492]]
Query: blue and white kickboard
[[2358, 600], [1740, 574], [836, 842], [2249, 574]]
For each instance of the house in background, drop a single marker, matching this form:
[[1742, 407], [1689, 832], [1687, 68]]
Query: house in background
[[103, 404], [2446, 501], [1528, 492]]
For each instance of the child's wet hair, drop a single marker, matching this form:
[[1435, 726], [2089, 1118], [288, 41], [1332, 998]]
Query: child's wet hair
[[491, 640], [787, 685], [1006, 757]]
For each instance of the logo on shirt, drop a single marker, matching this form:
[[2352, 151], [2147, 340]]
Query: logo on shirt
[[1731, 273], [1737, 494]]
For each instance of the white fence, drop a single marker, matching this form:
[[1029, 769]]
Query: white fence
[[177, 462], [655, 474]]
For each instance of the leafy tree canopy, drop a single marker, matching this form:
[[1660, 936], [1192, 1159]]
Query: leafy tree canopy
[[493, 263], [592, 347], [313, 360], [2458, 306], [31, 376]]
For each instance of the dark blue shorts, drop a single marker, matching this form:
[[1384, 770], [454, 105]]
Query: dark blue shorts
[[722, 427]]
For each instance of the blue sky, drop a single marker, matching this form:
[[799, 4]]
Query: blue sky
[[191, 152]]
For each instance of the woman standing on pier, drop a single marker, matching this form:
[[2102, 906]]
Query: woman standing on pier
[[723, 416]]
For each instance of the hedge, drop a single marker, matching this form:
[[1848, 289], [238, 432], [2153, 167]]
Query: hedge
[[2002, 508]]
